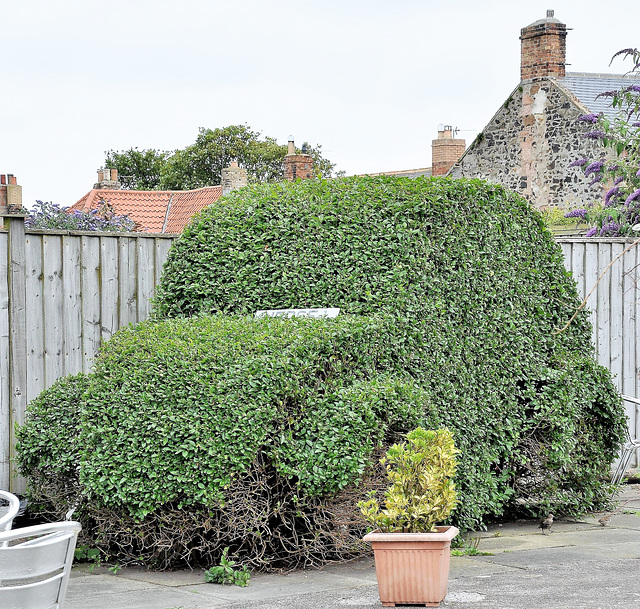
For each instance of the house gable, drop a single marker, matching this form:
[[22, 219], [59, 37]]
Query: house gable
[[529, 144]]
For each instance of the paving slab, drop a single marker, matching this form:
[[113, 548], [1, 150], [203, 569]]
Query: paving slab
[[580, 565]]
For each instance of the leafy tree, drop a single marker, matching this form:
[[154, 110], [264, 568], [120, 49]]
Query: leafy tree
[[620, 213], [138, 169], [201, 163]]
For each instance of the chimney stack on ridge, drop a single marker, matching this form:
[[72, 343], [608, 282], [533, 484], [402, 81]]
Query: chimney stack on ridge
[[543, 49]]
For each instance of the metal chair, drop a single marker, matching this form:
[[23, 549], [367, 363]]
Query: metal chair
[[8, 513], [628, 449], [35, 565]]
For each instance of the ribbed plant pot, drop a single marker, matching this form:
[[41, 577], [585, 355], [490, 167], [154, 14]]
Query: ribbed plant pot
[[412, 568]]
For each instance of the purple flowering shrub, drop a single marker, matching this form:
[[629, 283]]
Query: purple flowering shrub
[[620, 213], [47, 215]]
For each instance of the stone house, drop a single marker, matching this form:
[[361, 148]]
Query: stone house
[[535, 135]]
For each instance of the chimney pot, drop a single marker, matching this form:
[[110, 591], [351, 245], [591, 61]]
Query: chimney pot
[[549, 13], [3, 179]]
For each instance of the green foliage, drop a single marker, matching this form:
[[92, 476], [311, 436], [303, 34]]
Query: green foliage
[[138, 169], [421, 491], [225, 573], [207, 428], [201, 163], [86, 554], [620, 137], [554, 216], [467, 546]]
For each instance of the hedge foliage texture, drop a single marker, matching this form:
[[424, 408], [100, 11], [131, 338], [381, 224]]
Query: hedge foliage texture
[[262, 435]]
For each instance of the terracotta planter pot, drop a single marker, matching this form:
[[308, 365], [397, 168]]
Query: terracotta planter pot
[[412, 568]]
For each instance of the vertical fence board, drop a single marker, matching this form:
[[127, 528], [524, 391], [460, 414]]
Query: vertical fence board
[[17, 338], [127, 271], [53, 309], [109, 305], [162, 250], [603, 305], [590, 277], [34, 283], [146, 276], [5, 402], [91, 299], [615, 321], [71, 279]]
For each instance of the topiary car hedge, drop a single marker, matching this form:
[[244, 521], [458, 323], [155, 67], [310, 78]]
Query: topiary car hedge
[[206, 428]]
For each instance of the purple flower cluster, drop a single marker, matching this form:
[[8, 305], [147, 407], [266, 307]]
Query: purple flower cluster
[[594, 167], [577, 213], [589, 118], [634, 196], [594, 135], [52, 216], [591, 232], [636, 124], [610, 229], [612, 196], [579, 163]]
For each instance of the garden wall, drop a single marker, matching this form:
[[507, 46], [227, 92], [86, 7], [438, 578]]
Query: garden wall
[[63, 293]]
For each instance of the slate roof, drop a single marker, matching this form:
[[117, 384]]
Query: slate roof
[[586, 87], [154, 211], [407, 173]]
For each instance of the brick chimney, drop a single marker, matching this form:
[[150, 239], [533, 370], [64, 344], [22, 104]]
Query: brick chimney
[[10, 194], [107, 178], [297, 166], [233, 177], [543, 49], [445, 151]]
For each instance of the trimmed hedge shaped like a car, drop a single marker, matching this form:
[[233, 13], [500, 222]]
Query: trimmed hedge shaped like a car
[[221, 430]]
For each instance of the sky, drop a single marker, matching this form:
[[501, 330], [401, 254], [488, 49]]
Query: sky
[[368, 80]]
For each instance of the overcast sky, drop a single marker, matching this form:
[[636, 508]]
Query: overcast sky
[[369, 80]]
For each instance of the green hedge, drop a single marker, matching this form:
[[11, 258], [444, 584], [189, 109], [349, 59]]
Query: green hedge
[[262, 435]]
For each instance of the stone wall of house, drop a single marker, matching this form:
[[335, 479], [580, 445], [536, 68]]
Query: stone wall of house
[[529, 145]]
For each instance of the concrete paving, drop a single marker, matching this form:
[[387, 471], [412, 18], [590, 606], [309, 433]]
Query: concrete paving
[[580, 565]]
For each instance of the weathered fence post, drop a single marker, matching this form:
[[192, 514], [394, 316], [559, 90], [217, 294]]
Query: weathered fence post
[[17, 382]]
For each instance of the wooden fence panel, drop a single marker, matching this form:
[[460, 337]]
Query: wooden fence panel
[[72, 282], [91, 299], [109, 300], [5, 402], [53, 309], [78, 289], [35, 316], [128, 282], [615, 308]]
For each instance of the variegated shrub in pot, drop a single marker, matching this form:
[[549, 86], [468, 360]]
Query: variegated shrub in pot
[[411, 551]]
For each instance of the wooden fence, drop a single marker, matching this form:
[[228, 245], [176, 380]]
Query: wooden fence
[[614, 307], [63, 293]]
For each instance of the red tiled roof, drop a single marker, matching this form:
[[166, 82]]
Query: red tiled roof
[[187, 203], [155, 211]]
